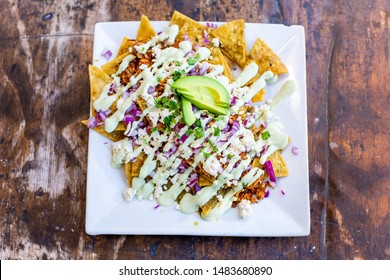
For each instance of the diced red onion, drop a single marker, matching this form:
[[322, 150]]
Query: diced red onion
[[196, 188], [106, 54], [235, 128], [158, 205], [264, 149], [186, 37], [171, 151], [294, 150], [183, 138], [92, 122], [129, 119], [158, 33], [245, 122], [211, 25], [190, 52], [197, 150], [151, 89], [266, 194], [270, 170], [192, 72], [147, 129], [233, 101], [103, 115], [204, 68], [193, 180], [206, 39], [283, 193], [112, 88], [182, 167], [179, 126]]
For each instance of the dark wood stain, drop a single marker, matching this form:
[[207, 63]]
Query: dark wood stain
[[43, 147]]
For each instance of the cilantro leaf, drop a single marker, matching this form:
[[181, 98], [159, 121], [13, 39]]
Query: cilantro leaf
[[229, 156], [217, 131], [265, 135], [165, 102], [154, 129]]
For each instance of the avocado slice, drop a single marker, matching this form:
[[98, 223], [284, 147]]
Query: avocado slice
[[204, 92], [188, 114]]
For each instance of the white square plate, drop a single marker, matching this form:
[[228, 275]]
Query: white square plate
[[280, 214]]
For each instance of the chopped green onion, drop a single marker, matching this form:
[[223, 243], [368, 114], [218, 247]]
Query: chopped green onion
[[217, 131]]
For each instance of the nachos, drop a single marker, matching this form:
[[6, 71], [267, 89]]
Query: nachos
[[184, 128]]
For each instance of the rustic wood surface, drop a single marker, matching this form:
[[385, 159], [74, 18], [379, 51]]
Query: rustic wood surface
[[46, 47]]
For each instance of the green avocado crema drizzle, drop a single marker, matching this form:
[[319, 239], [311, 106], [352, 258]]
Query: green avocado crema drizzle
[[203, 92]]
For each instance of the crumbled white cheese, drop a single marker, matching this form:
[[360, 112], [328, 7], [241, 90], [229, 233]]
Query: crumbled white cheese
[[162, 158], [247, 137], [143, 66], [212, 167], [215, 42], [148, 98], [157, 192], [245, 208], [157, 51], [153, 117], [219, 197], [178, 207], [128, 193], [240, 92]]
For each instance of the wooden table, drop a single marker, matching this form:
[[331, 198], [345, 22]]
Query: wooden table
[[45, 51]]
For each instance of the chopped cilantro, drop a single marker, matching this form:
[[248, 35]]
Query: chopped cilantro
[[219, 118], [178, 63], [177, 75], [159, 79], [229, 156], [154, 129], [265, 135], [188, 132], [215, 149], [206, 155], [198, 123], [217, 131], [165, 102], [199, 133], [168, 121], [194, 59]]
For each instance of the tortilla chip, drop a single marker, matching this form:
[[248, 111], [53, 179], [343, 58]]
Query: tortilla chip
[[218, 58], [125, 45], [112, 66], [137, 164], [259, 96], [204, 181], [114, 136], [232, 37], [192, 28], [146, 30], [229, 61], [97, 80], [279, 165], [129, 177], [266, 58]]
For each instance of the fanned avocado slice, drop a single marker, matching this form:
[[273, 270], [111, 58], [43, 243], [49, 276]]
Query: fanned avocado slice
[[205, 93], [188, 114]]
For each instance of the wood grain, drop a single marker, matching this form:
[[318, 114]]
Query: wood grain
[[45, 51]]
